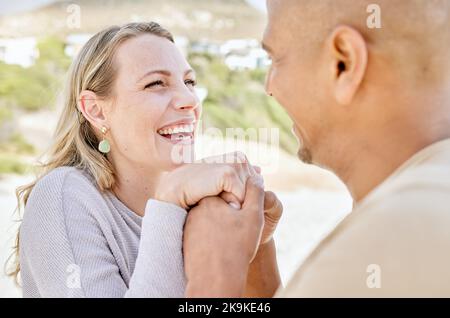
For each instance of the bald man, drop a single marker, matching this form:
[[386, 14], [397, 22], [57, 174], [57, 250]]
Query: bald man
[[373, 106]]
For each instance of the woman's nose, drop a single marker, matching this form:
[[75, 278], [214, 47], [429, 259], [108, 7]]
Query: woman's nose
[[185, 99]]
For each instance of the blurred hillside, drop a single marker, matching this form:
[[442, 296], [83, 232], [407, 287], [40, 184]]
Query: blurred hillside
[[26, 91], [211, 19]]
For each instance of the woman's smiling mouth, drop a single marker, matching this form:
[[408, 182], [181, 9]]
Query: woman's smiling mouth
[[178, 132]]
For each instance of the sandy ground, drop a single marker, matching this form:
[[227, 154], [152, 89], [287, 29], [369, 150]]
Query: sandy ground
[[314, 200]]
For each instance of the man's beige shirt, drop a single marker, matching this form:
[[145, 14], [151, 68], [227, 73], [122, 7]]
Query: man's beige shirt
[[395, 242]]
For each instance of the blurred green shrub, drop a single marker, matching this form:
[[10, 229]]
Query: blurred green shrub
[[17, 145], [35, 87], [12, 164], [13, 154], [238, 99]]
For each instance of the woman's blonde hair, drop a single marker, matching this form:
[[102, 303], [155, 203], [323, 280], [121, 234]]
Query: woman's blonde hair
[[75, 142]]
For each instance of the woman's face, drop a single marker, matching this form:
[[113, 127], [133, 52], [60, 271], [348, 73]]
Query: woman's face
[[155, 109]]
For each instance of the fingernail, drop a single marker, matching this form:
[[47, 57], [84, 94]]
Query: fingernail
[[235, 205]]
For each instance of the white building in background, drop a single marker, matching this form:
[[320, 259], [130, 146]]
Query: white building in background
[[74, 42], [253, 58], [19, 51], [241, 54], [204, 46], [238, 54], [182, 43], [238, 45]]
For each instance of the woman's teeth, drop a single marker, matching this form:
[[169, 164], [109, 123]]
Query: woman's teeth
[[178, 133], [177, 130]]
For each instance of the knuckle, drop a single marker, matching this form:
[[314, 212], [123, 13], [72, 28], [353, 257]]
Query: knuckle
[[229, 172]]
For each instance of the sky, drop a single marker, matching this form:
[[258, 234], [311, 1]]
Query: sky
[[9, 7], [258, 4]]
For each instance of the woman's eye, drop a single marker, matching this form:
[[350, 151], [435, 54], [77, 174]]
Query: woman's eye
[[190, 82], [153, 84]]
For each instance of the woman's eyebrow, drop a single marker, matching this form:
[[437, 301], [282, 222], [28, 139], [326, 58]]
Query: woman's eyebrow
[[164, 72]]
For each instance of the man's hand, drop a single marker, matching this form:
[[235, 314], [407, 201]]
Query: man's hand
[[273, 209], [263, 278], [220, 242]]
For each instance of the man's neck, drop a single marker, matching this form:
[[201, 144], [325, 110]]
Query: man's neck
[[377, 157]]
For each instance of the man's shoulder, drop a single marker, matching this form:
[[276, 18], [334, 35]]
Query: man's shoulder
[[413, 207], [401, 230], [422, 190]]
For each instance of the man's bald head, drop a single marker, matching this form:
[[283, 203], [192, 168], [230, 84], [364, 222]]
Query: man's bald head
[[414, 33]]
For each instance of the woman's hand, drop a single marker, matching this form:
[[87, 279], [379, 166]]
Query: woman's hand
[[224, 176]]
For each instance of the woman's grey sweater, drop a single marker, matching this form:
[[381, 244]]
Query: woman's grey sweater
[[76, 241]]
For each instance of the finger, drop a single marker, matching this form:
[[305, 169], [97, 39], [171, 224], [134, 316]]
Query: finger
[[211, 201], [232, 183], [231, 199], [252, 169], [272, 205], [270, 199], [243, 166], [240, 157], [245, 171], [257, 169], [254, 196]]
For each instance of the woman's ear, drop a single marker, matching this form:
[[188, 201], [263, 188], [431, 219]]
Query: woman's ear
[[349, 57], [91, 108]]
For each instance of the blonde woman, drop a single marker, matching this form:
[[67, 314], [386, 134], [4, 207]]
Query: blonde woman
[[105, 216]]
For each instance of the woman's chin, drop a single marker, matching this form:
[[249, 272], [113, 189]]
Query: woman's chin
[[174, 154]]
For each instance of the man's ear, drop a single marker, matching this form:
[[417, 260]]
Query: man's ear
[[349, 57], [88, 104]]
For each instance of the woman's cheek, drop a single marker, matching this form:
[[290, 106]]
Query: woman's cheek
[[199, 111]]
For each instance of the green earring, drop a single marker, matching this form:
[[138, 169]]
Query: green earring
[[104, 146]]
